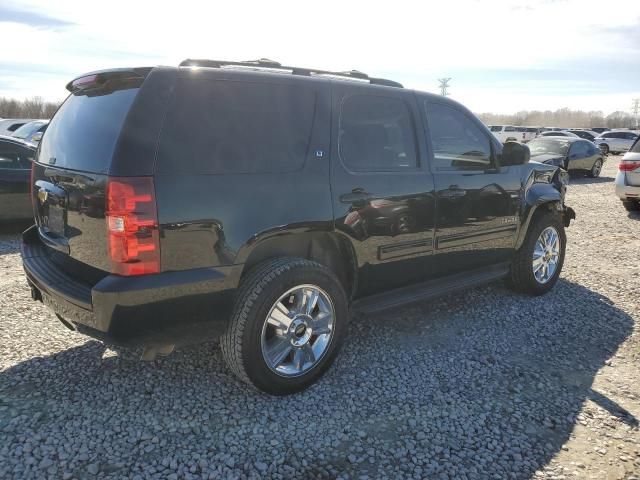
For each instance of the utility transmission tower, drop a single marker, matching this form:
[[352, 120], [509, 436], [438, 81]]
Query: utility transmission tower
[[444, 85], [635, 108]]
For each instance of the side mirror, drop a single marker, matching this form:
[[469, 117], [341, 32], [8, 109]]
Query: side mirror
[[36, 137], [514, 153]]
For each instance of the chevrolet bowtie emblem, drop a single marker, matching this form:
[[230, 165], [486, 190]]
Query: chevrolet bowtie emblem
[[42, 196]]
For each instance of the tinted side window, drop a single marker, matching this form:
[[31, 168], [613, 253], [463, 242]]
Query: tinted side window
[[376, 134], [217, 126], [631, 136], [15, 157], [496, 128], [580, 149], [457, 141], [509, 129]]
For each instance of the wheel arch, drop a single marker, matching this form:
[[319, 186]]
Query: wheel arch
[[325, 248], [541, 198]]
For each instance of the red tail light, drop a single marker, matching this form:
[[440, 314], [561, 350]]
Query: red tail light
[[132, 224], [628, 166]]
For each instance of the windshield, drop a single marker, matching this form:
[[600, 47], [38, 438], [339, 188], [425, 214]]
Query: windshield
[[27, 129], [549, 146]]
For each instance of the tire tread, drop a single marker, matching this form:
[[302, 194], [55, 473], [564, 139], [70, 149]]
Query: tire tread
[[249, 292]]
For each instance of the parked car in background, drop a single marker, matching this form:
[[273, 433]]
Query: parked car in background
[[585, 134], [525, 134], [599, 129], [31, 132], [571, 153], [616, 141], [531, 133], [10, 125], [146, 221], [628, 178], [506, 133], [558, 133], [16, 157]]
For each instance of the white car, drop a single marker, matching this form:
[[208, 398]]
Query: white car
[[531, 133], [507, 133], [10, 125], [616, 141], [31, 132], [628, 178]]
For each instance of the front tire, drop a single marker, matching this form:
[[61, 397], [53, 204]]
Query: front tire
[[287, 326], [595, 169], [537, 264]]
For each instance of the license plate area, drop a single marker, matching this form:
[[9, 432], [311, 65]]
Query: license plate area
[[55, 220], [51, 207]]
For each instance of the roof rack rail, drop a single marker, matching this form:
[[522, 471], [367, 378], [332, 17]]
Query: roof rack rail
[[270, 65]]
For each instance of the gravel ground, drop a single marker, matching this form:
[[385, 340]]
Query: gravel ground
[[485, 384]]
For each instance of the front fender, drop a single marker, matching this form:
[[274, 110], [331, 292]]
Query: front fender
[[544, 195]]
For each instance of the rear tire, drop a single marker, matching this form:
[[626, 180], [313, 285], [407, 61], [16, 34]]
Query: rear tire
[[523, 276], [273, 341], [631, 205], [595, 169]]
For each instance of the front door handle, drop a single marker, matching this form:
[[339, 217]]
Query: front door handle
[[453, 192], [356, 195]]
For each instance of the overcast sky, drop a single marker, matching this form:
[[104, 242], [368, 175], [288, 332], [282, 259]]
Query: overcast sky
[[503, 56]]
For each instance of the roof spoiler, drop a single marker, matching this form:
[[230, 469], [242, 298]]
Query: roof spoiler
[[99, 78], [264, 64]]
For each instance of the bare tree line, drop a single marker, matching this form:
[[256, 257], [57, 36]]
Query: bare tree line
[[34, 107], [563, 118]]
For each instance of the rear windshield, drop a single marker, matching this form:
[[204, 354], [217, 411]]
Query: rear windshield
[[83, 133], [217, 127]]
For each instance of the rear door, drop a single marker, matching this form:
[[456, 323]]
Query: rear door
[[477, 200], [629, 139], [579, 156], [15, 169], [383, 196]]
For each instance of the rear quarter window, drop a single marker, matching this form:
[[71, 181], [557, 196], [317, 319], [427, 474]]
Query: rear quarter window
[[220, 126]]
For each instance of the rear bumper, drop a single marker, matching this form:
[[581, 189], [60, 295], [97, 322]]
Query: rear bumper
[[624, 191], [126, 310]]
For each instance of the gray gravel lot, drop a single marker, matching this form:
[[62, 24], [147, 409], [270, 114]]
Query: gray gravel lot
[[485, 384]]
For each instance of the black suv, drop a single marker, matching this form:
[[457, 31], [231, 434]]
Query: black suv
[[265, 201]]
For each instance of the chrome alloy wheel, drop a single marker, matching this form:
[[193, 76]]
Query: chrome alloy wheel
[[546, 255], [298, 330]]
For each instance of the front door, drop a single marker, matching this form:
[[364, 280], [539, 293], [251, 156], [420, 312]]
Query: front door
[[383, 197], [477, 201]]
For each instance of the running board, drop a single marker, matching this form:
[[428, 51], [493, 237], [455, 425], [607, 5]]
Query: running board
[[431, 289]]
